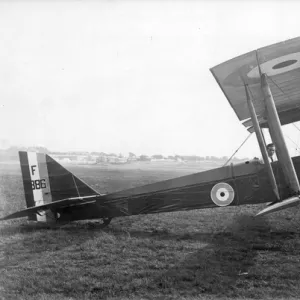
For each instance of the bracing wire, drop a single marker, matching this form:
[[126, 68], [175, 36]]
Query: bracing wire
[[297, 147], [292, 141], [76, 186], [297, 140], [296, 126], [237, 149]]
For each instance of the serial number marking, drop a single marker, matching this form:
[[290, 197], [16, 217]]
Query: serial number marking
[[38, 184]]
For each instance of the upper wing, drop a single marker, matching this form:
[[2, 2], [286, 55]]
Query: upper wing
[[53, 205], [281, 63]]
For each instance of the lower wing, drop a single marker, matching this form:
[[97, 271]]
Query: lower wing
[[290, 202]]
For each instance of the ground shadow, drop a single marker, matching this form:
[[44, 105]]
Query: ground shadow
[[12, 228], [28, 240], [218, 268]]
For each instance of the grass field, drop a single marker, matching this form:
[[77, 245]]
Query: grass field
[[203, 254]]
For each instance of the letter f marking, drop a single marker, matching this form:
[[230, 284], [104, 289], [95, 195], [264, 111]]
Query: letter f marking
[[33, 169]]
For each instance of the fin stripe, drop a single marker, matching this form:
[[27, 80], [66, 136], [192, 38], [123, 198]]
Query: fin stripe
[[27, 182], [34, 172]]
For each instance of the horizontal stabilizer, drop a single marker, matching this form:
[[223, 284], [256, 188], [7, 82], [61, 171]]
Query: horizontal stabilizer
[[53, 205], [290, 202]]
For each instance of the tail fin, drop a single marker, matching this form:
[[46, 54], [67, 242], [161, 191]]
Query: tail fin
[[45, 181]]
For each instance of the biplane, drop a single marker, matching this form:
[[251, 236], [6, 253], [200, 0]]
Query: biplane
[[262, 87]]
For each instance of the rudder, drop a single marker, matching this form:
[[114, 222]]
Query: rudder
[[45, 181]]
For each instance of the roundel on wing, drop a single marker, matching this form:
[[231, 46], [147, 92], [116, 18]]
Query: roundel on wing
[[222, 194], [250, 71], [277, 65]]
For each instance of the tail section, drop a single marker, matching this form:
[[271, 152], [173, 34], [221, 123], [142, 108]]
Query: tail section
[[46, 181]]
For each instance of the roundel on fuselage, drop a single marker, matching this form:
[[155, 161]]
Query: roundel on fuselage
[[222, 194]]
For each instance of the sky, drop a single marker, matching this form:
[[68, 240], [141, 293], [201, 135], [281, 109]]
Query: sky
[[120, 76]]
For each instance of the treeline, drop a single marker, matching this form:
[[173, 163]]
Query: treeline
[[12, 154], [189, 158]]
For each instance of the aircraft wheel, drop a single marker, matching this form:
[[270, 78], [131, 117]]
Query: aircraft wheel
[[106, 221]]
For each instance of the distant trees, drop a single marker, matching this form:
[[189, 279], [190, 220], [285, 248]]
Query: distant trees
[[12, 153], [157, 156], [98, 153], [144, 158], [39, 149], [112, 154], [191, 158], [131, 155]]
